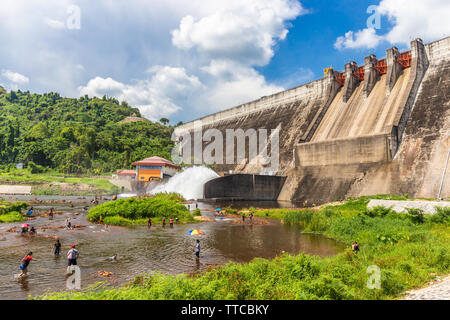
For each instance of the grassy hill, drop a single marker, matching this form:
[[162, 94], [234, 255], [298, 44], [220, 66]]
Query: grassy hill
[[75, 136]]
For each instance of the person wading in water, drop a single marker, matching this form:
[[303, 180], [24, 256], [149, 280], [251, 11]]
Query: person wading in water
[[149, 223], [24, 265], [72, 256], [197, 249], [57, 249]]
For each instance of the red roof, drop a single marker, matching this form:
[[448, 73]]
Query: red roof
[[155, 161], [126, 173]]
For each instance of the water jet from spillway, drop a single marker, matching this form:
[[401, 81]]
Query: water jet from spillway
[[189, 183]]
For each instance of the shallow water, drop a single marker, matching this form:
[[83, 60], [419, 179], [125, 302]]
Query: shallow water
[[168, 250]]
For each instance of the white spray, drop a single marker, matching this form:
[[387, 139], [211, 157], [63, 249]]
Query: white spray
[[189, 183]]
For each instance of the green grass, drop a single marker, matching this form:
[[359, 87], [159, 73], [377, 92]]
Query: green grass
[[134, 211], [11, 211], [12, 217], [100, 185], [408, 250]]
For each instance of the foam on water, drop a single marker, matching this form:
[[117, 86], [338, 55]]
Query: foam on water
[[189, 183], [127, 195]]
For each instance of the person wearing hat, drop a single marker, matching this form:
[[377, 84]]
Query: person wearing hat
[[25, 262], [72, 256]]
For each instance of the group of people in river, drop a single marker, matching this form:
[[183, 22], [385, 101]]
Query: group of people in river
[[27, 230], [73, 253], [72, 256], [163, 222]]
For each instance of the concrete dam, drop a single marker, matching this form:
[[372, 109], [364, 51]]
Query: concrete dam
[[380, 127]]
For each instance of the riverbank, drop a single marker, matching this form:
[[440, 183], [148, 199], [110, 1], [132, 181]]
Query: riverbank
[[141, 250], [408, 250], [53, 183]]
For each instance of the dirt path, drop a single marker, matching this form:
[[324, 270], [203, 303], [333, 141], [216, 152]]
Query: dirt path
[[438, 290]]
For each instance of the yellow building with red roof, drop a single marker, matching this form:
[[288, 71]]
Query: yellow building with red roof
[[155, 168]]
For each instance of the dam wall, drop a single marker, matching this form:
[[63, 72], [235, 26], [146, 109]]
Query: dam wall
[[358, 117], [417, 166], [291, 111], [382, 127], [244, 187]]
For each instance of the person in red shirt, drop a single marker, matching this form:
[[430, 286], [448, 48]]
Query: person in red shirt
[[25, 262]]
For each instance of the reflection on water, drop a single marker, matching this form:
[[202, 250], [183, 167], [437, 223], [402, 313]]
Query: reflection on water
[[168, 250]]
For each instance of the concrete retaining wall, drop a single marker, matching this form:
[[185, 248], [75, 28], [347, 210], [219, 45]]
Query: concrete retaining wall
[[402, 206], [366, 149], [244, 187]]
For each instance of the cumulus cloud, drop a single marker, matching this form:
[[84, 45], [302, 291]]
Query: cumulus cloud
[[410, 19], [239, 30], [15, 77], [171, 60], [236, 84], [366, 38], [156, 97]]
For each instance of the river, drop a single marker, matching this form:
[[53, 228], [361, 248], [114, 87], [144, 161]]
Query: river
[[140, 250]]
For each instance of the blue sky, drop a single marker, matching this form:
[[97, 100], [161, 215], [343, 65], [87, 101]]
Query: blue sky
[[185, 59], [310, 43]]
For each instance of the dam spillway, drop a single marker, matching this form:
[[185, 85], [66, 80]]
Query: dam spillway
[[360, 131]]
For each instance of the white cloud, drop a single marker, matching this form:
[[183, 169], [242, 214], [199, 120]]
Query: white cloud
[[172, 60], [411, 19], [235, 84], [366, 38], [238, 30], [55, 24], [14, 77], [157, 97]]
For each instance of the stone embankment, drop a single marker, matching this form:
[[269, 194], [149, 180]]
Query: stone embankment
[[439, 289], [402, 206]]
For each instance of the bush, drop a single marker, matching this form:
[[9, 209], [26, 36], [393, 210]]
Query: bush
[[13, 216], [35, 168], [7, 207], [230, 210], [161, 205], [416, 215], [379, 211], [442, 215]]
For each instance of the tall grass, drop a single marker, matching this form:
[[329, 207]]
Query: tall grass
[[11, 211], [13, 216], [409, 252], [7, 206]]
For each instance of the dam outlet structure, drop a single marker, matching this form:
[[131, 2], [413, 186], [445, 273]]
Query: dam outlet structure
[[375, 128]]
